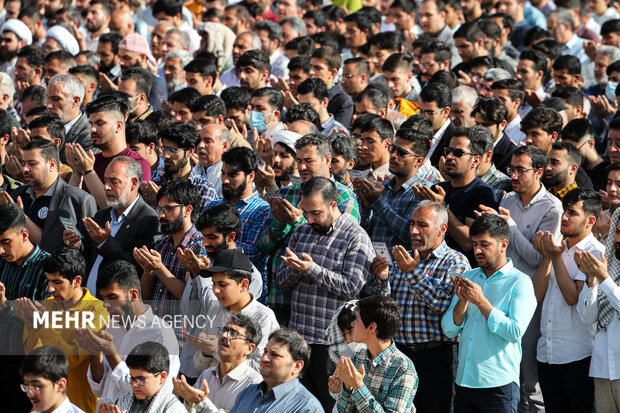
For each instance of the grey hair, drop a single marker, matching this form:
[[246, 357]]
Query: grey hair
[[497, 73], [612, 51], [440, 210], [224, 135], [6, 85], [465, 94], [70, 85], [134, 169], [564, 16], [183, 37], [256, 42], [297, 25], [184, 56]]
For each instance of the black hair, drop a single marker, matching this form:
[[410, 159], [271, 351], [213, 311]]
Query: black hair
[[408, 6], [303, 111], [319, 17], [38, 110], [119, 272], [186, 96], [47, 149], [108, 103], [235, 97], [374, 95], [610, 26], [150, 356], [570, 95], [572, 153], [490, 28], [161, 119], [223, 217], [613, 67], [421, 143], [485, 61], [275, 98], [536, 57], [113, 38], [382, 126], [141, 131], [547, 119], [334, 13], [241, 159], [297, 346], [393, 41], [513, 86], [168, 7], [537, 156], [303, 45], [12, 218], [372, 12], [256, 59], [253, 332], [361, 20], [62, 55], [36, 93], [361, 64], [398, 61], [346, 317], [362, 120], [383, 311], [420, 123], [48, 362], [325, 186], [204, 67], [446, 77], [181, 192], [568, 62], [491, 108], [492, 224], [86, 70], [476, 146], [315, 86], [592, 203], [482, 138], [577, 130], [549, 47], [470, 32], [325, 39], [318, 140], [213, 105], [53, 125], [534, 34], [34, 56], [440, 50], [507, 20], [6, 123], [438, 93], [331, 56], [274, 30], [343, 145], [68, 262], [183, 134], [299, 62]]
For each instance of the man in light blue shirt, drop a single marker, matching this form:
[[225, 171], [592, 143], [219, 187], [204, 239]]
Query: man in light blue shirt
[[491, 310], [285, 358]]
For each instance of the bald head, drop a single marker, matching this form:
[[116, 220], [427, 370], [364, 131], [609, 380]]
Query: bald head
[[303, 127], [122, 22]]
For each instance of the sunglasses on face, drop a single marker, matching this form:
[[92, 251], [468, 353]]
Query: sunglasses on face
[[457, 152]]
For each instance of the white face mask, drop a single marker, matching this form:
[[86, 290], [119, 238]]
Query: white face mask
[[610, 91], [131, 100]]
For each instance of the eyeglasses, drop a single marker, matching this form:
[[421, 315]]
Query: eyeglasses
[[28, 387], [169, 149], [517, 170], [165, 209], [401, 152], [231, 334], [139, 381], [584, 144], [428, 65], [430, 113], [457, 152]]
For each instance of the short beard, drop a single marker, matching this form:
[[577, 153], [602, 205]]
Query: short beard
[[340, 176], [218, 248], [285, 174], [8, 56], [555, 180], [234, 193], [123, 200], [172, 227], [169, 171]]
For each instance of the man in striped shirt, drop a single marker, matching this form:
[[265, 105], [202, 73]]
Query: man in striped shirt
[[327, 263], [21, 275]]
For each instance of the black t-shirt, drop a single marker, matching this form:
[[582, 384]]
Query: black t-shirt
[[598, 175], [36, 209]]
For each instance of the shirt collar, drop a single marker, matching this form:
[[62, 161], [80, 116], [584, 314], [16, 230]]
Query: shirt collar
[[49, 192], [539, 195], [125, 212], [382, 356], [70, 124], [506, 268], [571, 42], [441, 130]]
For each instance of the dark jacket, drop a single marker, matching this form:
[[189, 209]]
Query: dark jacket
[[139, 228], [340, 105], [79, 133], [67, 201], [444, 141], [502, 153]]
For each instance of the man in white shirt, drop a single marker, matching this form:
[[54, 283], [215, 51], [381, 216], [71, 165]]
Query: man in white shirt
[[270, 34], [599, 302], [565, 345], [97, 22], [131, 323], [511, 92], [217, 387]]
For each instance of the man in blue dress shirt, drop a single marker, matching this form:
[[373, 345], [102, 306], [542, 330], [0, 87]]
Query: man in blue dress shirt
[[491, 310], [285, 358]]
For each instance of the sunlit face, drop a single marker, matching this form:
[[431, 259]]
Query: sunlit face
[[213, 241], [171, 42], [600, 68], [562, 32], [563, 78], [352, 81], [231, 20], [489, 251], [428, 66], [436, 114], [353, 36], [320, 70], [557, 169], [401, 19], [288, 8], [527, 74], [426, 233], [60, 288], [359, 332], [460, 115], [9, 44], [235, 183], [96, 18], [524, 179], [496, 129], [175, 158], [36, 170], [613, 140], [611, 39], [539, 138], [24, 72], [378, 57], [283, 162], [60, 103], [277, 365], [466, 49], [365, 106], [119, 189], [398, 81], [181, 112], [613, 188], [49, 397], [241, 45], [230, 348], [227, 291], [512, 106], [250, 78], [598, 7], [106, 56], [574, 220], [173, 72], [12, 244], [460, 166], [373, 148], [104, 129], [157, 38], [310, 163], [400, 165], [431, 20], [52, 68]]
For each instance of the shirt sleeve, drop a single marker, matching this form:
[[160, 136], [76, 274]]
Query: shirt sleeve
[[398, 225], [448, 326], [612, 291], [512, 326], [587, 306]]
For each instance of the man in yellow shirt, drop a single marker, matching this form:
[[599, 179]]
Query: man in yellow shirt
[[55, 320]]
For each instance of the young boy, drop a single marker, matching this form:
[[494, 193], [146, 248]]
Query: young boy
[[45, 372], [148, 364]]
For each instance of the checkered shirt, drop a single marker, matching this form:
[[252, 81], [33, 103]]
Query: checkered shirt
[[387, 219], [207, 191], [424, 294], [255, 216], [389, 385], [275, 238], [340, 268]]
